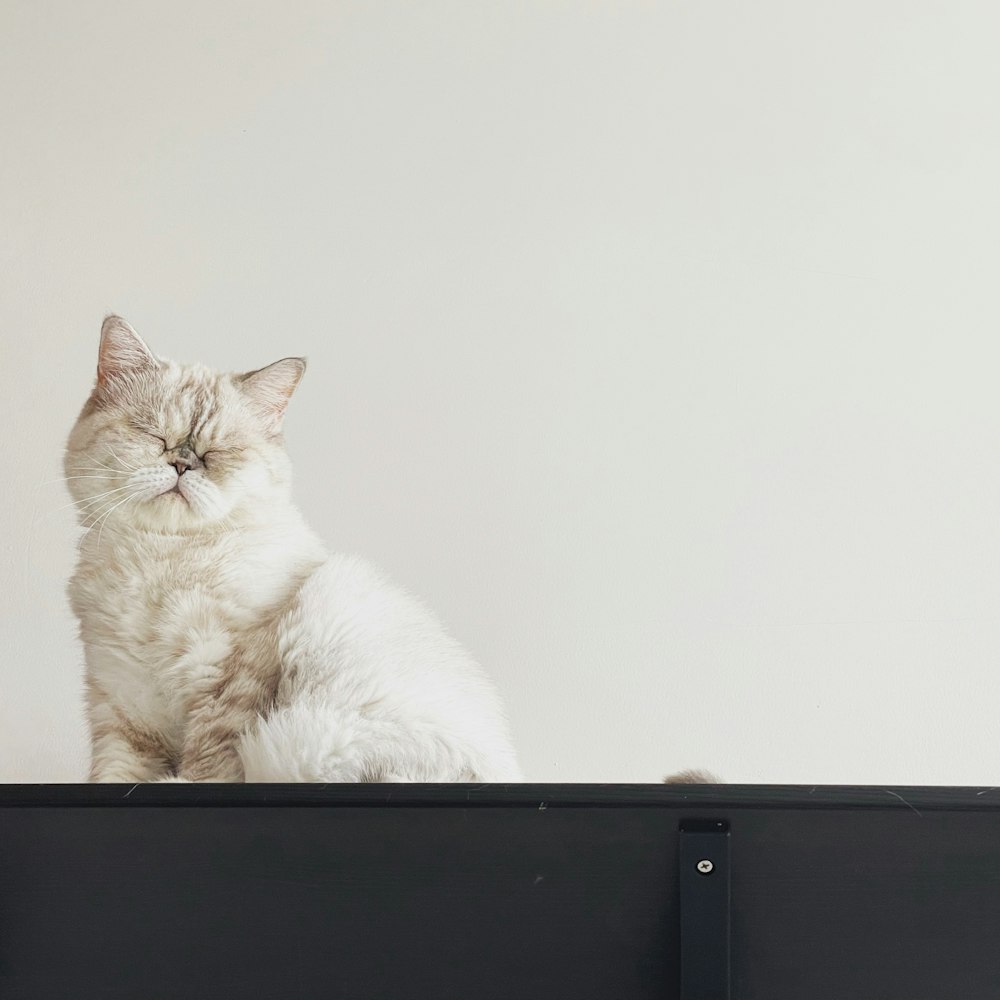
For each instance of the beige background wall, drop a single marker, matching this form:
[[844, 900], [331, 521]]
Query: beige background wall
[[655, 344]]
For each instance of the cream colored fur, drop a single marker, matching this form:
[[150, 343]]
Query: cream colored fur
[[222, 641]]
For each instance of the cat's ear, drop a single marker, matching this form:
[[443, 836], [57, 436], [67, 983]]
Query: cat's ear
[[269, 389], [122, 357]]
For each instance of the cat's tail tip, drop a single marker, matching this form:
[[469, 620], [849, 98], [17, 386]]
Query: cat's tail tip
[[692, 777]]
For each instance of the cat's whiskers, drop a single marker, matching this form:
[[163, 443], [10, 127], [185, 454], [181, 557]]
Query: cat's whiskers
[[109, 513], [97, 498], [100, 474], [101, 518], [94, 516], [100, 467], [38, 515], [124, 464], [100, 496], [66, 479], [81, 504]]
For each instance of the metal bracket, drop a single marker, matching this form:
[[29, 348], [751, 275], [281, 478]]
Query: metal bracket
[[704, 910]]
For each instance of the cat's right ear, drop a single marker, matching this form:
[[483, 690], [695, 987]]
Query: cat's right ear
[[123, 356], [269, 389]]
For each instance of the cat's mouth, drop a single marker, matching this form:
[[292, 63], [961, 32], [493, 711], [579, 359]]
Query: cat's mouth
[[176, 490]]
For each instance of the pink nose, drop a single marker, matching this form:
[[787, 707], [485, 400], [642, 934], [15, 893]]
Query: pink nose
[[184, 460]]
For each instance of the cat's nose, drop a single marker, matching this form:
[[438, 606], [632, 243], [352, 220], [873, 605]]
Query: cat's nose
[[184, 460]]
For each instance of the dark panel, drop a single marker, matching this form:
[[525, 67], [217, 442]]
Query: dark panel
[[887, 905], [354, 903]]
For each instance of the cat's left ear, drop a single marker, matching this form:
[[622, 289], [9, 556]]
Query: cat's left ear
[[269, 389], [123, 356]]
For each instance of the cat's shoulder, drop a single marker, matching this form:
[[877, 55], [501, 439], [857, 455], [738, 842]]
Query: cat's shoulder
[[347, 569], [349, 578]]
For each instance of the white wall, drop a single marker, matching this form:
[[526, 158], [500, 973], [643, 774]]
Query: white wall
[[655, 344]]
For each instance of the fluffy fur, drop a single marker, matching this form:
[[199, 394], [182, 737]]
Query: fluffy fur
[[222, 642], [691, 777]]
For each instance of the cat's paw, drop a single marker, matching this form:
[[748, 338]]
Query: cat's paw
[[160, 781]]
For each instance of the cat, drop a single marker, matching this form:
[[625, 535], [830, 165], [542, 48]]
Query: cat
[[222, 642]]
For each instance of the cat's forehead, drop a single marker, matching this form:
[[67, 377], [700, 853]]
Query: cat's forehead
[[195, 399]]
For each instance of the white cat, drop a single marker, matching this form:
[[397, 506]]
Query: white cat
[[222, 642]]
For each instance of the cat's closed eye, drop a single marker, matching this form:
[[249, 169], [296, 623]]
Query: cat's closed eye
[[154, 435], [224, 451], [215, 456]]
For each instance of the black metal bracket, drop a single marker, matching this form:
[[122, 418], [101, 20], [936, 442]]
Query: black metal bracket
[[704, 910]]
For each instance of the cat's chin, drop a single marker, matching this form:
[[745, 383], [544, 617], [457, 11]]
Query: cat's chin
[[172, 512]]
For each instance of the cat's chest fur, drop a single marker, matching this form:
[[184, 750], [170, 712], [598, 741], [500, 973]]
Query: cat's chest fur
[[160, 613]]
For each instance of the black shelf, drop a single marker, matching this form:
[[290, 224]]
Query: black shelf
[[483, 892]]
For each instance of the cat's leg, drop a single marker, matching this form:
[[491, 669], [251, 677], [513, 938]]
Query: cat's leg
[[210, 745], [223, 708], [123, 750], [210, 749]]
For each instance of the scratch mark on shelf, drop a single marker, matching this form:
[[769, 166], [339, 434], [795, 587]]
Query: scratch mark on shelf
[[909, 805]]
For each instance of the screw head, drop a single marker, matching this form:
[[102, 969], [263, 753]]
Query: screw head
[[705, 867]]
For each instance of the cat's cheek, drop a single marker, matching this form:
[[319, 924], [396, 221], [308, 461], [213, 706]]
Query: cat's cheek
[[248, 488]]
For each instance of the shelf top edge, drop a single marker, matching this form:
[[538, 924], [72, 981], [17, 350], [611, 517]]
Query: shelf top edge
[[538, 796]]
